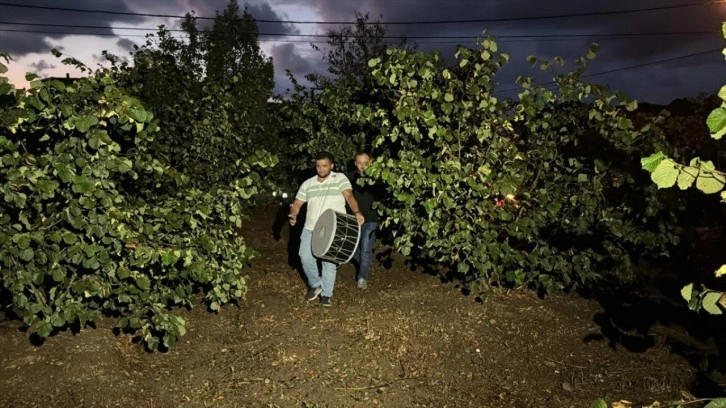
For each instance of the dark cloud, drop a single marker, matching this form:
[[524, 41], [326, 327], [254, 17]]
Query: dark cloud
[[34, 38], [206, 9], [695, 18], [19, 44], [621, 55], [284, 55], [126, 44], [283, 85], [706, 73], [40, 66], [263, 11]]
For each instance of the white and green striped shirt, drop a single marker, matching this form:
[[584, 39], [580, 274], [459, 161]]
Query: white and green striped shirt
[[324, 195]]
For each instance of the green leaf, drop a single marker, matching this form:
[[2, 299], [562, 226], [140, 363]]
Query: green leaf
[[169, 340], [143, 282], [57, 320], [56, 237], [710, 183], [492, 45], [138, 115], [124, 165], [83, 124], [710, 302], [722, 93], [687, 292], [81, 184], [123, 272], [26, 254], [168, 258], [651, 162], [152, 342], [716, 122], [448, 97], [59, 274], [599, 403], [718, 402], [625, 124], [23, 240], [94, 141], [46, 186], [44, 329], [666, 174], [64, 172], [686, 178], [721, 271], [70, 238]]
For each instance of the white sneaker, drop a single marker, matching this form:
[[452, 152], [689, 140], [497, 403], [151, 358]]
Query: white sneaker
[[362, 283]]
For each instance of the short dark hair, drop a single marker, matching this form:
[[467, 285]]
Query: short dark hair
[[325, 155], [362, 152]]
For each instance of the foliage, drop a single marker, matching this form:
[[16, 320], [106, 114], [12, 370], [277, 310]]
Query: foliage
[[316, 114], [211, 90], [666, 173], [348, 51], [544, 192], [106, 213]]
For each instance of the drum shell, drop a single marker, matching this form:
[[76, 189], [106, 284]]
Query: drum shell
[[335, 237]]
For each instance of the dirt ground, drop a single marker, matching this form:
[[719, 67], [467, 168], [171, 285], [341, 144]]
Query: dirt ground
[[409, 340]]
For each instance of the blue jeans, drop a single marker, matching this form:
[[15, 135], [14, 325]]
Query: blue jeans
[[310, 266], [364, 253]]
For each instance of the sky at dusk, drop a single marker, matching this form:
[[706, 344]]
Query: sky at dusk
[[653, 50]]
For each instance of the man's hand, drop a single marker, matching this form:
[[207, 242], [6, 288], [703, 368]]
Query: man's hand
[[293, 219], [360, 218]]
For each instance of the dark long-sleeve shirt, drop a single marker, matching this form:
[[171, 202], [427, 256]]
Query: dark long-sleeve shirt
[[365, 195]]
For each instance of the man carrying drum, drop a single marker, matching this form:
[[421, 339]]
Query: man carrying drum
[[327, 190]]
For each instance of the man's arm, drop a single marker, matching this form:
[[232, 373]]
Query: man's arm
[[294, 210], [353, 203]]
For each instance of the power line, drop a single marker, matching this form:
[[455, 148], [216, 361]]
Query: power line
[[12, 23], [488, 20], [626, 68], [445, 39]]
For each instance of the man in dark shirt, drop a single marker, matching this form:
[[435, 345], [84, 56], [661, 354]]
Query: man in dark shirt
[[364, 195]]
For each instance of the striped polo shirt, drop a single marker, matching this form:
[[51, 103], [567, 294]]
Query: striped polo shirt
[[324, 195]]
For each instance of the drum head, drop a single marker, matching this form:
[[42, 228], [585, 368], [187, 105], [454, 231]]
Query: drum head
[[324, 233]]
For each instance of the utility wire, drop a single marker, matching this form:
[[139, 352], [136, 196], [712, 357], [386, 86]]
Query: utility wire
[[488, 20], [12, 23], [626, 68], [445, 39]]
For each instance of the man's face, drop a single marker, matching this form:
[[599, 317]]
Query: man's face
[[361, 162], [323, 167]]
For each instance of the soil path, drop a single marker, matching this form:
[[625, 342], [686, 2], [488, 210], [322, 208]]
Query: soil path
[[406, 341]]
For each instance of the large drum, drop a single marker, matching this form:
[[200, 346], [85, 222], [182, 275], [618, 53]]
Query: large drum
[[335, 236]]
